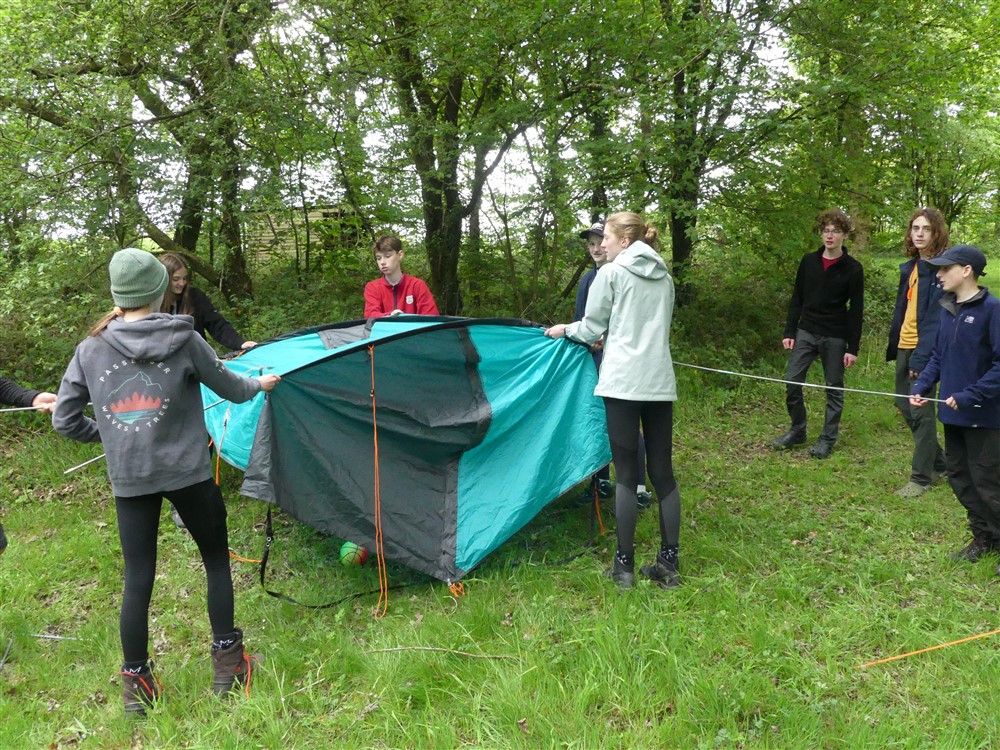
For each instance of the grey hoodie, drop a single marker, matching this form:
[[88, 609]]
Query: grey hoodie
[[143, 378], [631, 304]]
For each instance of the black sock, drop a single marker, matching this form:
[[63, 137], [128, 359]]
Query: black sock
[[668, 553], [134, 667], [623, 559], [226, 641]]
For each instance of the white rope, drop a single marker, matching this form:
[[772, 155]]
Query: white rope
[[806, 385]]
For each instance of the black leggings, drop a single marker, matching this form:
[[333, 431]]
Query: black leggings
[[657, 418], [204, 513]]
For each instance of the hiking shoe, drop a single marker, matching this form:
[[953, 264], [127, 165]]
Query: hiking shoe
[[140, 690], [974, 551], [789, 439], [662, 573], [233, 667], [644, 499], [605, 488], [912, 489], [621, 574], [822, 449], [3, 540]]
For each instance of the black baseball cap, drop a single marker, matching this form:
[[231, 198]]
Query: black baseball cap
[[597, 229], [961, 255]]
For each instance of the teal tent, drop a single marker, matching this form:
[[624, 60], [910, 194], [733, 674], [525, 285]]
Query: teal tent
[[478, 424]]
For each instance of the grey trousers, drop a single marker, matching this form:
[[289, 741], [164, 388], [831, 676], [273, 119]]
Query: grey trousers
[[922, 421], [830, 351]]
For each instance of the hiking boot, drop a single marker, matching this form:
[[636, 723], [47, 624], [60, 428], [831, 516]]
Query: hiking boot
[[605, 488], [140, 690], [662, 573], [178, 521], [233, 667], [911, 489], [822, 449], [3, 540], [789, 439], [974, 551], [621, 574], [644, 499]]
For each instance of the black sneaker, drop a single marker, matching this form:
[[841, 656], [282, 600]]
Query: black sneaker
[[788, 440], [621, 574], [974, 551], [605, 488], [822, 449], [644, 499], [662, 573]]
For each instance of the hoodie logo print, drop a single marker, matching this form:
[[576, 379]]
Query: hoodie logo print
[[143, 402], [137, 402]]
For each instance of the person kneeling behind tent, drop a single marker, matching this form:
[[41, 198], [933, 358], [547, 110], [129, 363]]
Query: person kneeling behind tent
[[142, 370]]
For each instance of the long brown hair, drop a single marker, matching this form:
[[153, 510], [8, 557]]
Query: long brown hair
[[174, 263], [942, 237], [101, 324]]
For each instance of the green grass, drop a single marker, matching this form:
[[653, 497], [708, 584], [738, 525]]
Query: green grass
[[796, 572]]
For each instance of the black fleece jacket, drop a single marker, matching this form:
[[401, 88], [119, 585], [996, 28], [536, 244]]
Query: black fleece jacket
[[828, 303], [13, 394], [206, 317]]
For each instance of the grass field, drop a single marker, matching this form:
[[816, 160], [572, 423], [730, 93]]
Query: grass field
[[796, 573]]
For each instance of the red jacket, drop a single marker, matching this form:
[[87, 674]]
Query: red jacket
[[410, 295]]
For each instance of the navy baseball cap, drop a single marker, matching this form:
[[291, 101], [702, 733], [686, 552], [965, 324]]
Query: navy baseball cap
[[597, 229], [961, 255]]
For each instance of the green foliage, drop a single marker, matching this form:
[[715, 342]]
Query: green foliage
[[46, 307]]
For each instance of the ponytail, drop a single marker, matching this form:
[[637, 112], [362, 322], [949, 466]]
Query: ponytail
[[101, 324], [651, 236]]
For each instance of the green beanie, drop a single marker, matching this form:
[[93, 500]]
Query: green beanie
[[137, 278]]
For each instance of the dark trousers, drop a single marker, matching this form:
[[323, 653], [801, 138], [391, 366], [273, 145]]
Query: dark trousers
[[973, 458], [830, 351], [657, 420], [204, 513], [928, 457]]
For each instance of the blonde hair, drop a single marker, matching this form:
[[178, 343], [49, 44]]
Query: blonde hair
[[631, 226]]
